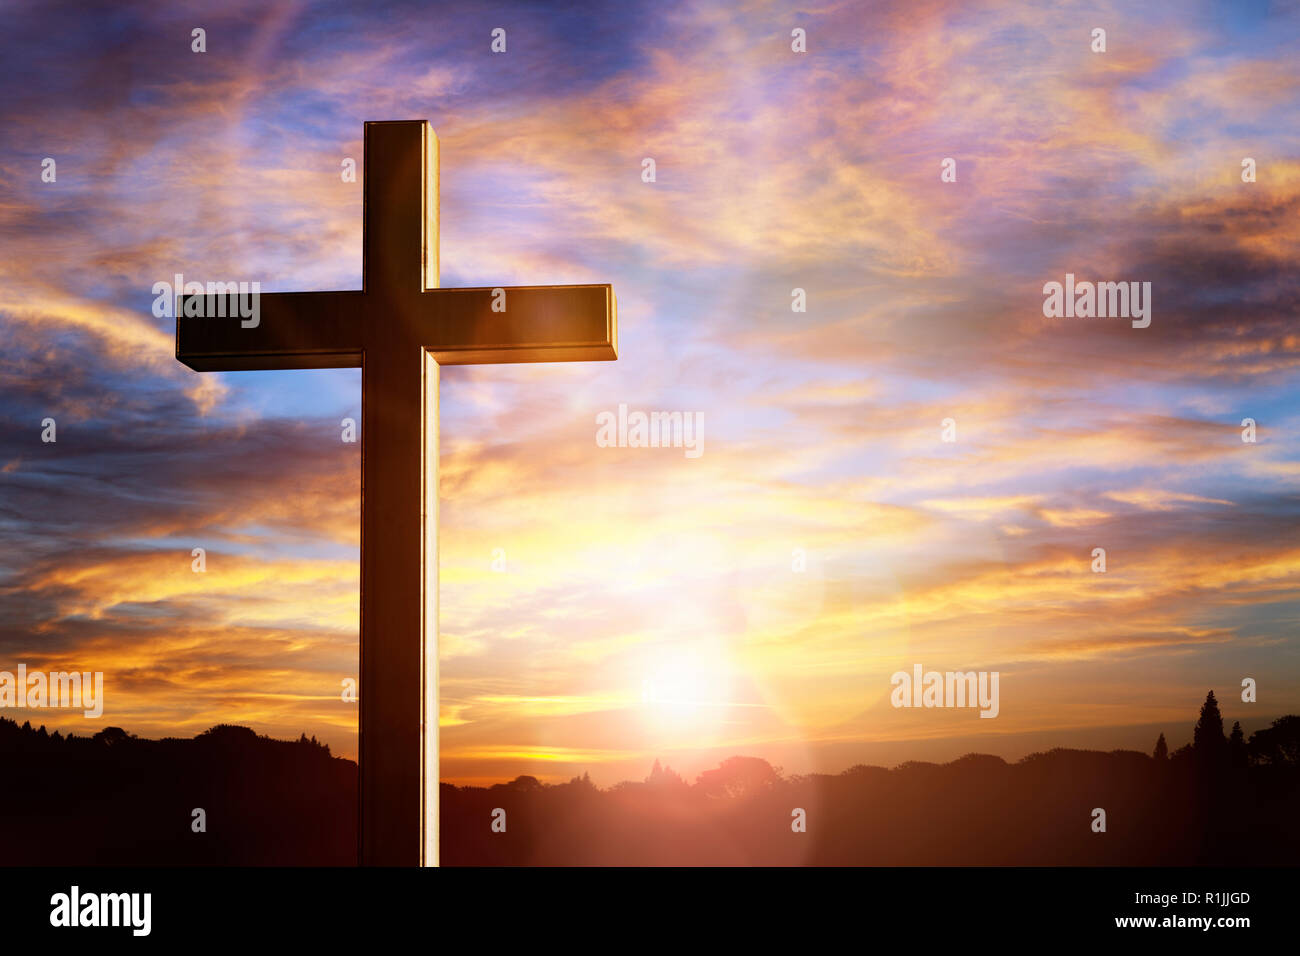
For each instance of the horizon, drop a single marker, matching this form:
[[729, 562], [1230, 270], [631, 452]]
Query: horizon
[[939, 752]]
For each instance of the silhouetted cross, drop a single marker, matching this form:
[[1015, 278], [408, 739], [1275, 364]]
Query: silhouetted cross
[[399, 328]]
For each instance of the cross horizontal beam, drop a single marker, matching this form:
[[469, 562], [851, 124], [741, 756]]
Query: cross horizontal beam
[[573, 323]]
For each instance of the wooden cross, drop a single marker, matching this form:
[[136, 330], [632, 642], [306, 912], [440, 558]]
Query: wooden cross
[[398, 329]]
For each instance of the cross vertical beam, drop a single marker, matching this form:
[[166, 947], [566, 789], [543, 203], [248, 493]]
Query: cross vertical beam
[[399, 523]]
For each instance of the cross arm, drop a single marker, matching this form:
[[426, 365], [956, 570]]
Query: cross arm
[[293, 330], [560, 323]]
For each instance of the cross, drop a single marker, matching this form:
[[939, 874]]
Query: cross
[[399, 329]]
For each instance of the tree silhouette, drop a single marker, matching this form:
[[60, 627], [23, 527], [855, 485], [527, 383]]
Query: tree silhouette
[[664, 777], [1278, 745], [290, 802], [114, 798], [739, 777], [109, 736], [1237, 746], [1182, 810], [1207, 738]]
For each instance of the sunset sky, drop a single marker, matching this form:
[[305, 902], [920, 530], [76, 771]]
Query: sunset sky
[[649, 607]]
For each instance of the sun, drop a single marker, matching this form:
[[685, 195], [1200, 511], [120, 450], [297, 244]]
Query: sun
[[686, 692]]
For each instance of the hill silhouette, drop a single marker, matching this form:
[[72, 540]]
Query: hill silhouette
[[1218, 801], [117, 799]]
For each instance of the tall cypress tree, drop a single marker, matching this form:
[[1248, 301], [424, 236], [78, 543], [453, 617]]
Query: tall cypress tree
[[1162, 749], [1207, 739]]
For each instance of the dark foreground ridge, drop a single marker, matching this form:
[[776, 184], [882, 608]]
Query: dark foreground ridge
[[117, 799]]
